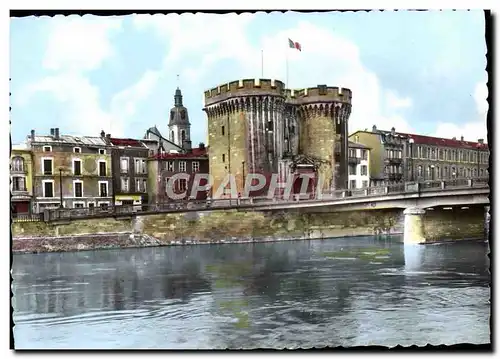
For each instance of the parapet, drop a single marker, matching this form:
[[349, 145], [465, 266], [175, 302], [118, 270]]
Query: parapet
[[322, 94], [241, 88]]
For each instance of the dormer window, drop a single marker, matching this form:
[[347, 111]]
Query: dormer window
[[77, 150], [102, 151], [47, 149]]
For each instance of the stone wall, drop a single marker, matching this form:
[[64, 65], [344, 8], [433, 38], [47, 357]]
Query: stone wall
[[455, 223]]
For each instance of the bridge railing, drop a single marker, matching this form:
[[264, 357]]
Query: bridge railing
[[336, 195]]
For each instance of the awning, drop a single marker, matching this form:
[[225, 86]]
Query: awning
[[128, 197]]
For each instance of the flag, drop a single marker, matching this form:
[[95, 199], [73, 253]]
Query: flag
[[294, 45]]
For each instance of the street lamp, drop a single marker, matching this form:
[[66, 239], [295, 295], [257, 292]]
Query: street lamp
[[478, 147], [412, 141], [61, 169], [243, 175]]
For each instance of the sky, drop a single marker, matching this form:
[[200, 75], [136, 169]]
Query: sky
[[420, 72]]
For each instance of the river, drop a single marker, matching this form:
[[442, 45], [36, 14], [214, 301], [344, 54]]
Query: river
[[300, 294]]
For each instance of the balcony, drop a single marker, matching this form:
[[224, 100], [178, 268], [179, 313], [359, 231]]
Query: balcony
[[393, 160], [394, 176]]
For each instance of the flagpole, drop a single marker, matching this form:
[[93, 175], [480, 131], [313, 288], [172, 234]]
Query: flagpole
[[286, 79]]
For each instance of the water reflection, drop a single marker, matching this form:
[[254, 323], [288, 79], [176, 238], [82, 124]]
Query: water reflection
[[294, 294]]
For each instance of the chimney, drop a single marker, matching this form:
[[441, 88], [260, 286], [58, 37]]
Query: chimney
[[374, 128], [201, 146], [187, 146], [462, 138], [481, 141], [32, 135], [108, 136], [393, 130], [103, 133], [52, 132], [454, 138], [56, 134]]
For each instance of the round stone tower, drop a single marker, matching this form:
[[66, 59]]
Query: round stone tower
[[323, 115], [245, 128]]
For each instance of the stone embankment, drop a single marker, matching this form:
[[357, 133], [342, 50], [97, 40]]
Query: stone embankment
[[200, 228]]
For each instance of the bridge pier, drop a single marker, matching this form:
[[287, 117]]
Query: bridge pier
[[414, 226]]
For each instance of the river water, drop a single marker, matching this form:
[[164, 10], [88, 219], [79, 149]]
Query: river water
[[301, 294]]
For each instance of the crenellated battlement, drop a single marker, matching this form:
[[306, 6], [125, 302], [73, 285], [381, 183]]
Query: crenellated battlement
[[245, 87], [323, 93]]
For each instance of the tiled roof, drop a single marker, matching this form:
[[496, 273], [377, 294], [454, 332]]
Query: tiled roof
[[126, 142], [72, 140], [436, 141], [195, 153]]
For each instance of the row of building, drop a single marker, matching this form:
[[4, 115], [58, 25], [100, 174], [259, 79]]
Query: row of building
[[254, 126]]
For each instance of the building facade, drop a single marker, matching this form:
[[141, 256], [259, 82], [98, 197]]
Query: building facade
[[70, 171], [258, 126], [396, 157], [21, 180], [129, 164], [359, 165], [162, 167]]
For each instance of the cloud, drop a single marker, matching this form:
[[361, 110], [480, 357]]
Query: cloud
[[394, 102], [474, 129], [327, 58], [79, 43], [79, 103]]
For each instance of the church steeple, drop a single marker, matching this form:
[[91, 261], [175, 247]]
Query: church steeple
[[179, 126], [178, 98]]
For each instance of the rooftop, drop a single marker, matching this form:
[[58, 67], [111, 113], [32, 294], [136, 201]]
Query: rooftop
[[195, 153], [130, 142], [72, 140]]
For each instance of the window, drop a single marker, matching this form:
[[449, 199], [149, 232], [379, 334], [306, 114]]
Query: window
[[77, 150], [102, 151], [475, 172], [196, 166], [103, 189], [47, 166], [352, 184], [77, 167], [481, 172], [47, 149], [223, 157], [352, 153], [364, 170], [172, 138], [124, 165], [91, 204], [352, 169], [182, 166], [18, 184], [170, 166], [77, 205], [144, 185], [124, 184], [428, 172], [17, 164], [48, 188], [102, 168], [140, 166], [365, 184], [419, 171], [446, 174], [364, 154], [77, 189], [468, 172], [140, 185], [183, 136], [438, 172], [223, 131]]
